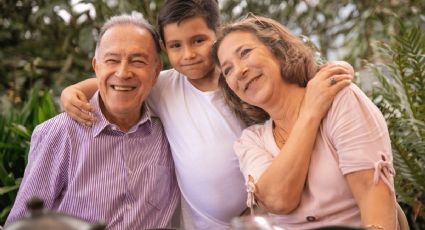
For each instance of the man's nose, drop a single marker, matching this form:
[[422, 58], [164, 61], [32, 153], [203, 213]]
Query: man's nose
[[123, 70]]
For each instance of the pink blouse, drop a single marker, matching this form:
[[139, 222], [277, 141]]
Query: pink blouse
[[352, 137]]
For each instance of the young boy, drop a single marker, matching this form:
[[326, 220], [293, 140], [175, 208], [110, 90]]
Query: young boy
[[200, 128], [199, 125]]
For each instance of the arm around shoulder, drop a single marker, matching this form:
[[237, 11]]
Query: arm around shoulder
[[74, 100]]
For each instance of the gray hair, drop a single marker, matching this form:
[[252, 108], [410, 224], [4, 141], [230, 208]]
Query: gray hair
[[135, 19]]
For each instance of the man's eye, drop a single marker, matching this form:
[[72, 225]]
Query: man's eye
[[138, 62], [112, 61], [244, 52]]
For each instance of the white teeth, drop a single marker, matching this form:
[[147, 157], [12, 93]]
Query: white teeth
[[122, 88]]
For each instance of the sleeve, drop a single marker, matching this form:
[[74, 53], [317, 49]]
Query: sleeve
[[254, 159], [45, 174], [360, 136], [155, 95]]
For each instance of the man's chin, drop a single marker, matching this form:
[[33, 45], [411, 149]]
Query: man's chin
[[123, 110]]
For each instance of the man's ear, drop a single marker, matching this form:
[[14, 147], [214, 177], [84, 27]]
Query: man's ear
[[93, 63]]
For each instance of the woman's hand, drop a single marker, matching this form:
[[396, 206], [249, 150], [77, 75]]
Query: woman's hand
[[322, 89], [75, 103]]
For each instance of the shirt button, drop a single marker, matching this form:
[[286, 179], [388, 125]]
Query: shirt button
[[311, 218]]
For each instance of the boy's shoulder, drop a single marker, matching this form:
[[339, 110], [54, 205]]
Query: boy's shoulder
[[169, 73], [168, 78]]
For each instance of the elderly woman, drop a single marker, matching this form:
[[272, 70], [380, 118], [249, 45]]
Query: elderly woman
[[349, 173]]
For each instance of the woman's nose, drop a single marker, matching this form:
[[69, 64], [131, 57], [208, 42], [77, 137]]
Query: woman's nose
[[241, 71]]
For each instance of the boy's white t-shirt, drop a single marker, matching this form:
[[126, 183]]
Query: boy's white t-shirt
[[201, 130]]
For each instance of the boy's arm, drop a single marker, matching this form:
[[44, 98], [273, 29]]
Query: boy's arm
[[74, 101]]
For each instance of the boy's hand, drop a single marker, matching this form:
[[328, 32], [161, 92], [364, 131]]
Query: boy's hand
[[74, 102]]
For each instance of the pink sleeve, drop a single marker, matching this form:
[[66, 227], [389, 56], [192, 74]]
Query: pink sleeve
[[253, 156], [359, 134], [254, 159]]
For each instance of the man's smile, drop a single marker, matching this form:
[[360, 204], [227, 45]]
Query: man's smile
[[123, 88]]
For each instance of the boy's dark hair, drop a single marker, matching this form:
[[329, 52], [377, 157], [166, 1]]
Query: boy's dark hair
[[178, 10]]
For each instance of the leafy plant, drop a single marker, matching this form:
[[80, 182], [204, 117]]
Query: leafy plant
[[16, 126], [53, 41], [336, 26], [400, 95]]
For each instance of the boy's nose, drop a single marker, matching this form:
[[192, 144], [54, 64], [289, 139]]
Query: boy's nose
[[189, 53]]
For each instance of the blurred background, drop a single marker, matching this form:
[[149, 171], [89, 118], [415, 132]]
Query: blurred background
[[46, 45]]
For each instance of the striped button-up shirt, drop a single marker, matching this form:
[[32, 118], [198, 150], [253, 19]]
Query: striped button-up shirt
[[101, 174]]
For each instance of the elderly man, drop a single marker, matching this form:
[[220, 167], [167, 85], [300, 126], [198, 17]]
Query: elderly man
[[120, 171]]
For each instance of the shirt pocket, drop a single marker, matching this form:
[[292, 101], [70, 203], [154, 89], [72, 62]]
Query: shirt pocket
[[161, 191]]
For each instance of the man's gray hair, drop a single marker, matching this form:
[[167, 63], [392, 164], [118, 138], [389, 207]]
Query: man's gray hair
[[136, 19]]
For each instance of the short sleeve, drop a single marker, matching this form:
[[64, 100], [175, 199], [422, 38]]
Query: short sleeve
[[254, 159], [155, 97], [358, 132]]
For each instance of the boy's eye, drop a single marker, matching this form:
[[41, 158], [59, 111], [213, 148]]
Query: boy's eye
[[244, 52], [174, 46], [199, 40]]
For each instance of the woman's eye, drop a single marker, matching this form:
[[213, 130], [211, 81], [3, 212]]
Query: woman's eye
[[226, 71], [244, 52]]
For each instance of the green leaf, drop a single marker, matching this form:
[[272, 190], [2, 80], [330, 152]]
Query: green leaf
[[5, 212], [7, 189], [400, 96]]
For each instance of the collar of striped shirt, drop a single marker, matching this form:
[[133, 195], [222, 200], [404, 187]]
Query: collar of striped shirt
[[103, 123]]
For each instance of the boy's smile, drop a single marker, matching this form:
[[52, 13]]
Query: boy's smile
[[188, 46], [191, 64]]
